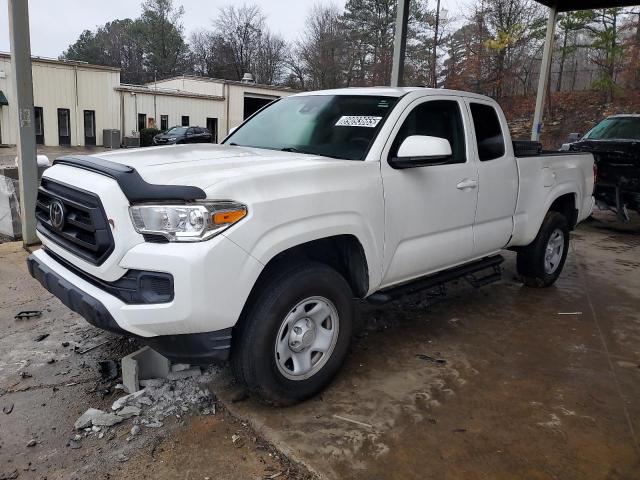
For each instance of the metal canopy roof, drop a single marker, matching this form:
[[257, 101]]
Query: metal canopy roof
[[569, 5]]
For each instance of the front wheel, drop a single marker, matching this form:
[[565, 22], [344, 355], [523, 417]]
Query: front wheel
[[541, 263], [295, 335]]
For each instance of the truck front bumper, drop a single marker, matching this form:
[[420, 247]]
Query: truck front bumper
[[194, 327]]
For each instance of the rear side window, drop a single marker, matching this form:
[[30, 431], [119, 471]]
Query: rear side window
[[488, 132]]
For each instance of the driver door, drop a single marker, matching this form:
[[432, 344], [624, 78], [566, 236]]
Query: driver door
[[429, 210]]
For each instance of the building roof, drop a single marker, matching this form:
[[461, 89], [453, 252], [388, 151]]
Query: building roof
[[223, 81], [170, 92], [71, 63], [570, 5]]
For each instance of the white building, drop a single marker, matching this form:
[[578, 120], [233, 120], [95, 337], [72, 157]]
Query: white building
[[75, 101]]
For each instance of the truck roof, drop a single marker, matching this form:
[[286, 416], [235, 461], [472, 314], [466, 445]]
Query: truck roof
[[393, 92]]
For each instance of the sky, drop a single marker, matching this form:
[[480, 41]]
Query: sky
[[55, 24]]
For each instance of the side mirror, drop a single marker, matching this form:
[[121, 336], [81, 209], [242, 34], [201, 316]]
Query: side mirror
[[422, 151]]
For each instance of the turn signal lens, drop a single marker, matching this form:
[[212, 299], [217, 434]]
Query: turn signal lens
[[228, 217]]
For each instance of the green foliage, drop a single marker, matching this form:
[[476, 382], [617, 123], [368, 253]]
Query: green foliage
[[146, 136]]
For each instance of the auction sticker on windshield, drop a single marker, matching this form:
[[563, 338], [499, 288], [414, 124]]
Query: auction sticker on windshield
[[358, 121]]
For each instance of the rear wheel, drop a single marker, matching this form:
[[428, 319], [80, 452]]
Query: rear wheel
[[541, 263], [295, 335]]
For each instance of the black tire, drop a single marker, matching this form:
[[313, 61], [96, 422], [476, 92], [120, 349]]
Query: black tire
[[253, 357], [531, 259]]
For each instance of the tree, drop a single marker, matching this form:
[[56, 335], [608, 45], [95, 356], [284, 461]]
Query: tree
[[319, 59], [166, 52], [569, 25], [607, 51], [242, 29]]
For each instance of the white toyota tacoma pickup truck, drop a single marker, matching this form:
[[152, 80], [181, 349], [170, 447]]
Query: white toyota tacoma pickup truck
[[254, 250]]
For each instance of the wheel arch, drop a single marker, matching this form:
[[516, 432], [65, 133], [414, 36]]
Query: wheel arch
[[344, 253]]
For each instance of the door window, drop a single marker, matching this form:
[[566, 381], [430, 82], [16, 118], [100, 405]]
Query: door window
[[488, 130], [437, 118], [89, 124], [39, 125]]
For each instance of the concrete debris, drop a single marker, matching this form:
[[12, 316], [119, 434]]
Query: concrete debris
[[41, 337], [182, 374], [7, 409], [32, 443], [155, 424], [179, 367], [143, 364], [95, 429], [74, 444], [122, 458], [145, 401], [135, 430], [129, 411], [104, 419], [127, 399], [152, 382], [86, 419]]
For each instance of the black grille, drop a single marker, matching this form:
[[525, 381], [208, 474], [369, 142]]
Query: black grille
[[85, 231]]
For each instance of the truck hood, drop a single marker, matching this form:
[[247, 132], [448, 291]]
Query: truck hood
[[204, 165]]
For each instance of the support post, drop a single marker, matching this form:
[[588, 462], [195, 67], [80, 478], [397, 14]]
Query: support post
[[400, 43], [545, 74], [23, 88]]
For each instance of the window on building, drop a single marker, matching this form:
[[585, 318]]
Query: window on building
[[39, 125], [185, 121], [142, 121], [489, 134], [164, 122]]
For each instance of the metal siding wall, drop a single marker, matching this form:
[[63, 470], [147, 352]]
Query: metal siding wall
[[9, 116], [53, 88], [96, 91], [203, 87], [196, 108]]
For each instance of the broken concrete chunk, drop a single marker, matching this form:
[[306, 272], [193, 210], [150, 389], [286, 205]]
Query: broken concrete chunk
[[179, 367], [135, 430], [32, 443], [129, 411], [127, 399], [152, 382], [144, 401], [86, 419], [104, 419], [181, 375]]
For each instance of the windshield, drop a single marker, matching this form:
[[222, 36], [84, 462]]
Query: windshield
[[337, 126], [177, 130], [616, 128]]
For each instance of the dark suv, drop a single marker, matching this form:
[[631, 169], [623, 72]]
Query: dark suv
[[183, 135]]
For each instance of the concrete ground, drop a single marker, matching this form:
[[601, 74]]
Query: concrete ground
[[499, 383], [8, 154]]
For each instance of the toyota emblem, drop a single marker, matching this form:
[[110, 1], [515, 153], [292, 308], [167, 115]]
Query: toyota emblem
[[56, 214]]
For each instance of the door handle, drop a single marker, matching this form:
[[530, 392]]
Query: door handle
[[467, 184]]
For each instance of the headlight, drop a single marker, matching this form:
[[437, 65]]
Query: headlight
[[187, 223]]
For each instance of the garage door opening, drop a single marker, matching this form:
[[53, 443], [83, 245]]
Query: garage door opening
[[253, 104]]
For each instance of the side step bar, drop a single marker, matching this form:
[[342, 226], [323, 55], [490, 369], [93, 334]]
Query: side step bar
[[424, 283]]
